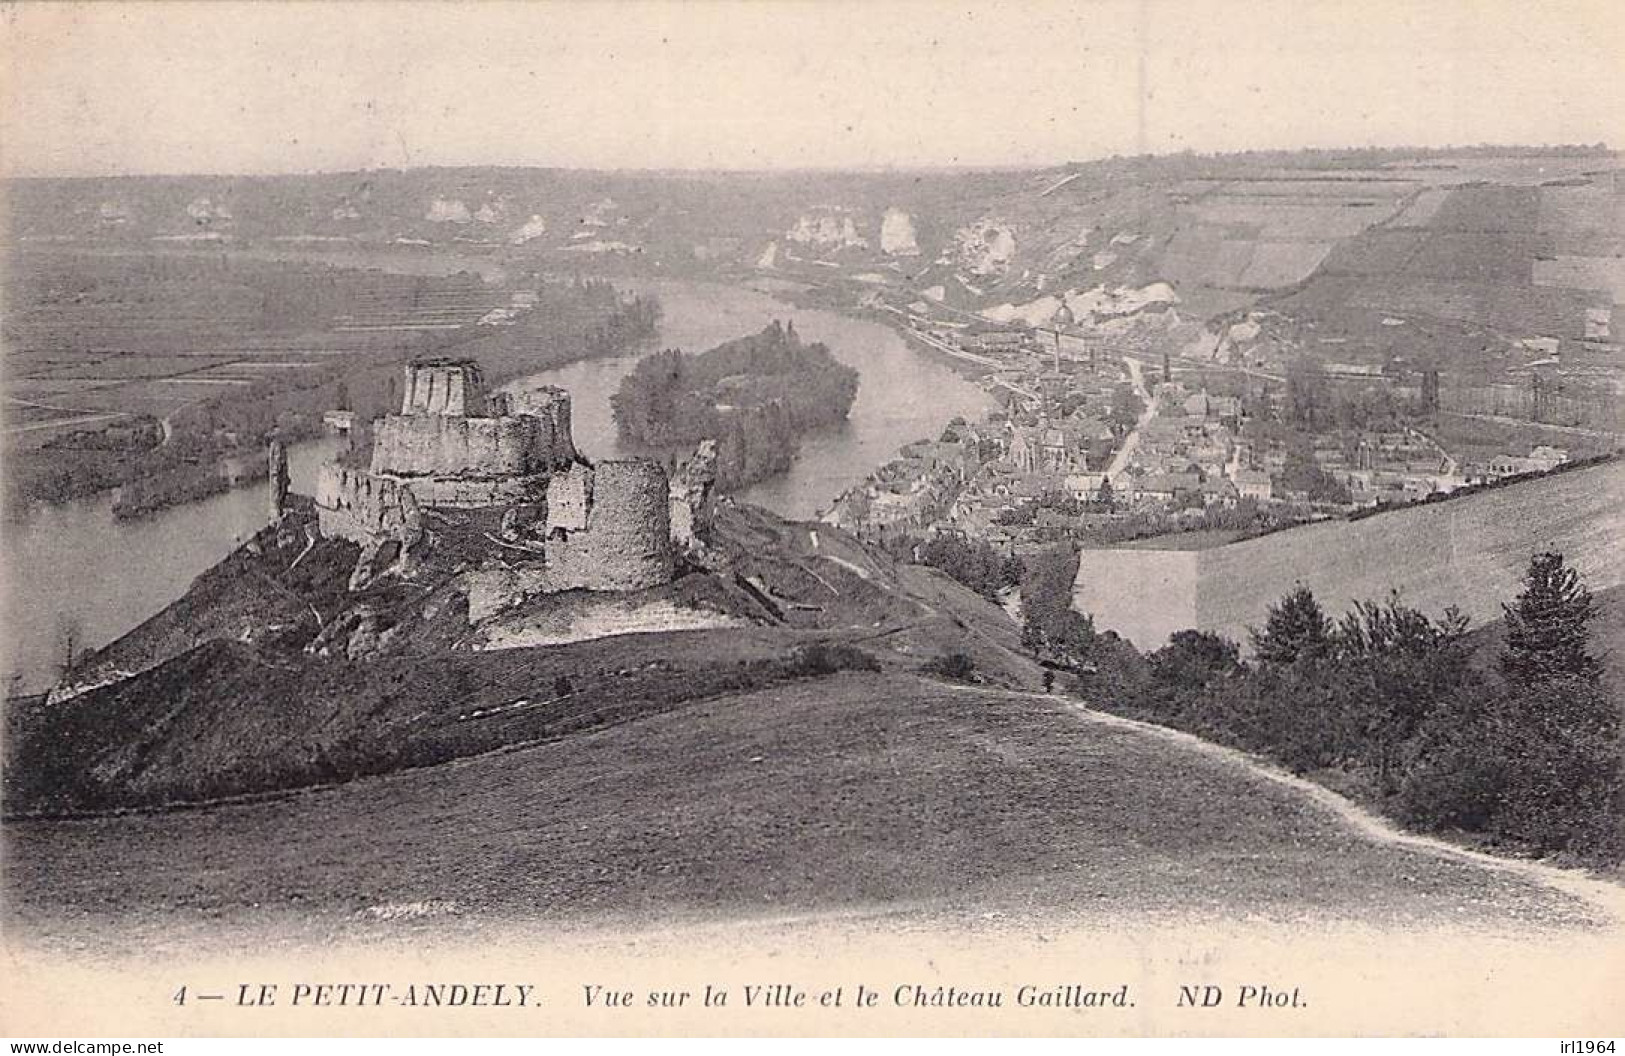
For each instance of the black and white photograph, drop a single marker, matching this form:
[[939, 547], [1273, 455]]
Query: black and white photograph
[[1097, 518]]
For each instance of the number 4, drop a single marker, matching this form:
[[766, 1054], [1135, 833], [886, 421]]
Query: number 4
[[180, 996]]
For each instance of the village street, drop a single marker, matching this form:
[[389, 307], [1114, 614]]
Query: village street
[[1125, 452]]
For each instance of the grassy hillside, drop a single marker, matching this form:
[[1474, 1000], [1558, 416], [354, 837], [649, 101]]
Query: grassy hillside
[[881, 794]]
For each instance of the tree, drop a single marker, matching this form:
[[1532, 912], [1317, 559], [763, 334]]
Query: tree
[[70, 641], [1548, 626], [1295, 629], [974, 564], [1106, 496], [1126, 407], [1196, 658], [1558, 732], [1396, 668], [1308, 394]]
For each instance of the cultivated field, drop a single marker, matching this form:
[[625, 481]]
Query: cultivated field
[[1469, 552]]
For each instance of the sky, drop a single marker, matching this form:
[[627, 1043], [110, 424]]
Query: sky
[[221, 87]]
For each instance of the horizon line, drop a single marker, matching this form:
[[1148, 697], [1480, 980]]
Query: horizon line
[[1598, 148]]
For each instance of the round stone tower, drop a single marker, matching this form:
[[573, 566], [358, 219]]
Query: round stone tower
[[629, 530], [626, 541]]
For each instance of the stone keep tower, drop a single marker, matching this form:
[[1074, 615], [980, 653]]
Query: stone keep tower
[[456, 445], [444, 386]]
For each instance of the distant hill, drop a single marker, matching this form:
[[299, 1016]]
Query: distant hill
[[1488, 236]]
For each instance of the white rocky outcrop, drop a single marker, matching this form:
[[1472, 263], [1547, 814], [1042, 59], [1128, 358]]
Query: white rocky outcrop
[[602, 245], [1103, 301], [598, 213], [447, 211], [769, 258], [985, 248], [827, 229], [1097, 304], [204, 210], [535, 227], [897, 235], [1033, 313]]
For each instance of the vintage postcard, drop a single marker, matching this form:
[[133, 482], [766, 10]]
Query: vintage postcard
[[813, 518]]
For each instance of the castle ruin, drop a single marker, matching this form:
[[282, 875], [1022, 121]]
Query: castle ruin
[[456, 449]]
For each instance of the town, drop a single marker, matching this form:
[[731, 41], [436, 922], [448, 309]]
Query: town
[[1103, 433]]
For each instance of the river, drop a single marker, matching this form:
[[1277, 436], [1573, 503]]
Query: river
[[74, 564]]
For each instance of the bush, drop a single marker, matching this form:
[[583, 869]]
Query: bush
[[956, 667], [824, 658]]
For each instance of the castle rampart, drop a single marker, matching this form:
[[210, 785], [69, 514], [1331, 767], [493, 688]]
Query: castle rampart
[[441, 446], [354, 505]]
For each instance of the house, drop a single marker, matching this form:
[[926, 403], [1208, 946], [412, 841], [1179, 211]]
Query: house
[[1216, 491], [994, 340], [1085, 487], [1542, 459], [1166, 487], [1252, 484], [1547, 458]]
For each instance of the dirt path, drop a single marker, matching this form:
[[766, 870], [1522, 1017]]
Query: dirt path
[[1607, 896]]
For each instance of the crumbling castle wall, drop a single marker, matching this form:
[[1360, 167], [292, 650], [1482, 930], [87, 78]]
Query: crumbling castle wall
[[692, 504], [608, 527], [360, 507], [569, 496], [436, 445], [453, 456], [551, 405], [277, 481]]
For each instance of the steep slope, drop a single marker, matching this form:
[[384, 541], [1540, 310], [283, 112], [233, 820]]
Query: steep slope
[[270, 675]]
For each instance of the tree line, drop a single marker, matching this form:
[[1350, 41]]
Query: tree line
[[1409, 712]]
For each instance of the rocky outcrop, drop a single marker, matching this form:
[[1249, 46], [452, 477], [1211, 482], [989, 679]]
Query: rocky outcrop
[[897, 235], [827, 229], [358, 633], [985, 249], [533, 228], [447, 211]]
